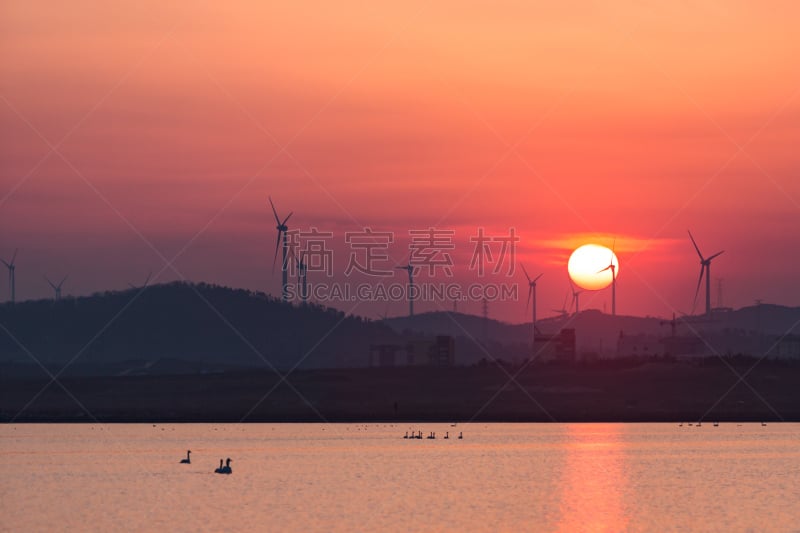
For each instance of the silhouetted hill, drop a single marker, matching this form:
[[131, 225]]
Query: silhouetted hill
[[181, 328]]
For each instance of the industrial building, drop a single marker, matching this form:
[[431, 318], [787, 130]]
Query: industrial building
[[439, 351]]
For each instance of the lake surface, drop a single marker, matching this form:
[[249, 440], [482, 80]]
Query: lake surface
[[357, 477]]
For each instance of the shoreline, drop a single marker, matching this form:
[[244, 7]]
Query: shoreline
[[647, 392]]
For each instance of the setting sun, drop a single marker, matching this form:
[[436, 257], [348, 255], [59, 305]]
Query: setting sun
[[588, 266]]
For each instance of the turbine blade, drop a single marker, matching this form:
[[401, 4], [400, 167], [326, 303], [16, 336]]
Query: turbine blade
[[63, 280], [525, 272], [50, 282], [715, 255], [537, 277], [606, 268], [274, 212], [699, 282], [611, 256], [13, 257], [147, 280], [6, 264], [695, 246], [287, 218]]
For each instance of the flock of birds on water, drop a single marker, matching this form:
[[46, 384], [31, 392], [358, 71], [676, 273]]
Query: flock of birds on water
[[716, 424], [221, 470], [225, 466], [431, 435]]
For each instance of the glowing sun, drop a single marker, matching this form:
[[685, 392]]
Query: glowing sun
[[587, 266]]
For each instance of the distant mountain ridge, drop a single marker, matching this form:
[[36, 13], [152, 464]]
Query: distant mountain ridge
[[598, 332], [187, 328]]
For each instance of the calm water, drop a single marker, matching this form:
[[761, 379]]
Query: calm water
[[340, 477]]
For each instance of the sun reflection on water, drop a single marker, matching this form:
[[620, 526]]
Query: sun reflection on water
[[593, 480]]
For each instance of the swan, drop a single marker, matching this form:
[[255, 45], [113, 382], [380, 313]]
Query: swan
[[447, 435], [188, 460], [460, 435], [406, 435], [219, 470], [227, 468]]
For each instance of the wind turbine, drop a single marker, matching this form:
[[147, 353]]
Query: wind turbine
[[410, 270], [146, 281], [563, 311], [531, 295], [282, 229], [302, 277], [385, 315], [56, 288], [705, 268], [613, 268], [12, 280]]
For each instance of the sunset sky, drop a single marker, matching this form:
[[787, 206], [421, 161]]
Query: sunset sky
[[134, 132]]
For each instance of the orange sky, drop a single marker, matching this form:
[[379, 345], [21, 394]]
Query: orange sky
[[563, 121]]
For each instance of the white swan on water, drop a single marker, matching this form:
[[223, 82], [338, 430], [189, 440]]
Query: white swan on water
[[188, 459]]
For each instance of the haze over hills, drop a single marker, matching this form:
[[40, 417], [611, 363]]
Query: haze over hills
[[598, 332], [190, 327], [193, 328]]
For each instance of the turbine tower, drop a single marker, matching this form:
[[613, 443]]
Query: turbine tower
[[531, 296], [575, 295], [410, 269], [56, 288], [12, 279], [705, 268], [613, 268], [282, 229], [302, 278]]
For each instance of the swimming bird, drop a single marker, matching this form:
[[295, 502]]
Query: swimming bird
[[460, 435], [447, 435], [406, 435], [227, 468], [219, 470], [188, 460]]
